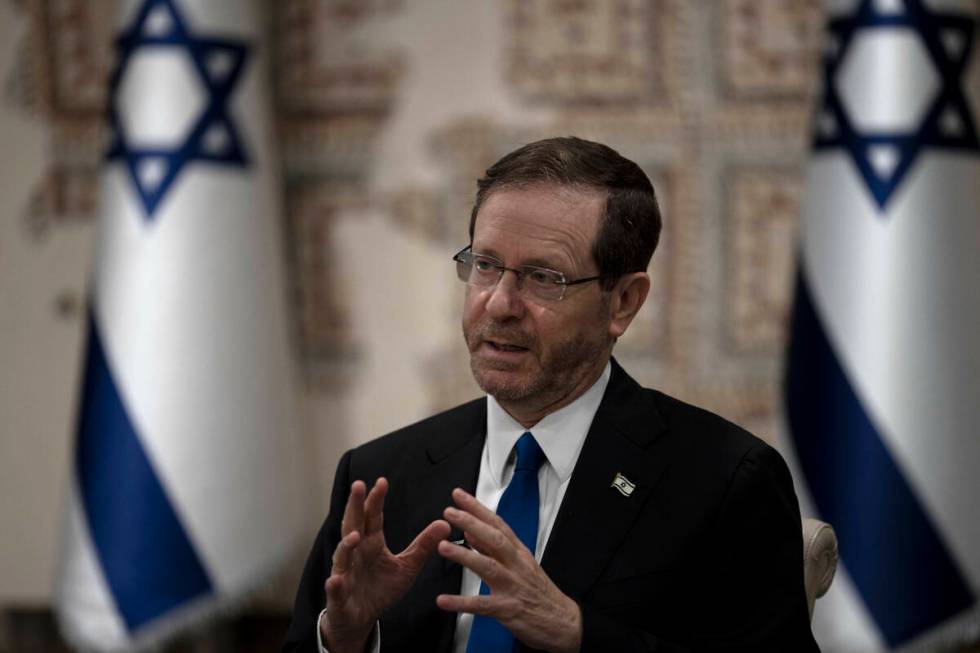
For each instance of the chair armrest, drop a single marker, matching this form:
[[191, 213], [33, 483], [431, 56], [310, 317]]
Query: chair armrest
[[819, 559]]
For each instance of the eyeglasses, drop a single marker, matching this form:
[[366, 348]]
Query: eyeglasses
[[485, 271]]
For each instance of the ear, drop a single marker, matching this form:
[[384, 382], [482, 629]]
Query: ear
[[628, 296]]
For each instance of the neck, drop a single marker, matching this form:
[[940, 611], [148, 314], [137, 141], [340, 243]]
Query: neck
[[530, 411]]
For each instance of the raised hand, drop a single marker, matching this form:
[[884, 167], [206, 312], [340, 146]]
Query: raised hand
[[366, 577], [522, 597]]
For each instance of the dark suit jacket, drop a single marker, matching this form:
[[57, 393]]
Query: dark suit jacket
[[706, 554]]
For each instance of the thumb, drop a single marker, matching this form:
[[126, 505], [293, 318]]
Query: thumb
[[425, 543]]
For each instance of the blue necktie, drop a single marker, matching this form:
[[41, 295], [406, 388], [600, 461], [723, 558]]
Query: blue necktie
[[519, 508]]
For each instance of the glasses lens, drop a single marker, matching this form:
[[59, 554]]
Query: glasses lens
[[477, 270], [543, 284], [484, 271], [463, 267]]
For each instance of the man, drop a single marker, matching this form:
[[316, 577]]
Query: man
[[570, 509]]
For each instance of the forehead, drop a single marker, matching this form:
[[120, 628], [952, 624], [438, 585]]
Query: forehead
[[540, 225]]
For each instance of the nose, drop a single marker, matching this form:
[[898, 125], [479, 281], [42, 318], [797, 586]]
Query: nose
[[505, 299]]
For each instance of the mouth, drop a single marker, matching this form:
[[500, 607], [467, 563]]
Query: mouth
[[499, 352], [496, 345]]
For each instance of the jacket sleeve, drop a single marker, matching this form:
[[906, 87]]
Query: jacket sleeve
[[310, 597], [752, 586], [760, 594]]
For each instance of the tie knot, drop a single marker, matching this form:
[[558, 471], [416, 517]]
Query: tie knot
[[529, 454]]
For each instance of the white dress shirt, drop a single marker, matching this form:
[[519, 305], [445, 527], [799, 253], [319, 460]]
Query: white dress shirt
[[560, 436]]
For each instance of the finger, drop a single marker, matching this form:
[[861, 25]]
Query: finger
[[354, 511], [374, 507], [469, 503], [425, 543], [488, 605], [344, 552], [485, 537], [335, 589], [493, 573]]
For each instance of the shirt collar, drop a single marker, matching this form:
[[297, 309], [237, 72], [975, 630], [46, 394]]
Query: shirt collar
[[560, 434]]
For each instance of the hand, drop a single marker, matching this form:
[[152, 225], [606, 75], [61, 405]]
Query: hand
[[522, 597], [366, 577]]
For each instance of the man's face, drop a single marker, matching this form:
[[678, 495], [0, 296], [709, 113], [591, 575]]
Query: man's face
[[526, 352]]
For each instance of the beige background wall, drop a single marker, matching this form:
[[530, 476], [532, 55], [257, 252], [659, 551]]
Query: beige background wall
[[387, 110]]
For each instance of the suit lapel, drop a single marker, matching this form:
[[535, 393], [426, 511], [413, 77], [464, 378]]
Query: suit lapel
[[594, 516], [453, 457]]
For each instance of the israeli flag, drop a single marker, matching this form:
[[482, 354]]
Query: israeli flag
[[182, 494], [883, 377]]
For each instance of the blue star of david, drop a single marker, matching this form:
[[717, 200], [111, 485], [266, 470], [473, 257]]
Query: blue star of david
[[949, 104], [213, 137]]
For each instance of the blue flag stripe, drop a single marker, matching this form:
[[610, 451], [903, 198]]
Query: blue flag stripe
[[892, 550], [149, 563]]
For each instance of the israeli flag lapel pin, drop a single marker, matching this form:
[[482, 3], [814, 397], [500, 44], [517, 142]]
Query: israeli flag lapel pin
[[623, 485]]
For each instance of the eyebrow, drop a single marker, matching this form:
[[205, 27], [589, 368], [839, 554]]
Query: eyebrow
[[541, 263], [534, 262]]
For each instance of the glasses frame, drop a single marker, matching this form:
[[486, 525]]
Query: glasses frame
[[520, 272]]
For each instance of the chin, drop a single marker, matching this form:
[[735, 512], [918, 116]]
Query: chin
[[505, 384]]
